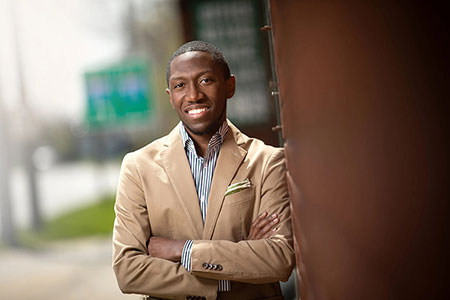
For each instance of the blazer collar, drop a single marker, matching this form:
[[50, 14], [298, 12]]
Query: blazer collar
[[230, 158], [177, 168]]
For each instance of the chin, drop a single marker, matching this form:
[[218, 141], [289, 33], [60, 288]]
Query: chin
[[199, 131], [205, 129]]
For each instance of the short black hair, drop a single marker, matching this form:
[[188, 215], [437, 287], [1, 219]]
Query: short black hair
[[191, 46]]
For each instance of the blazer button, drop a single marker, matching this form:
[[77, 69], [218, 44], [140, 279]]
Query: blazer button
[[205, 266], [210, 266], [219, 268]]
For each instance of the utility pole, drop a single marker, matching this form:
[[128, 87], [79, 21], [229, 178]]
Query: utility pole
[[8, 231], [28, 138]]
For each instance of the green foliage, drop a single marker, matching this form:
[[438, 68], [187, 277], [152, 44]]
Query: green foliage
[[92, 220]]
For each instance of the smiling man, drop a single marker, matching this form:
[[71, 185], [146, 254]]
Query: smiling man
[[202, 213]]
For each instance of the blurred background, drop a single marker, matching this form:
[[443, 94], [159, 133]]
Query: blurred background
[[82, 83], [363, 111]]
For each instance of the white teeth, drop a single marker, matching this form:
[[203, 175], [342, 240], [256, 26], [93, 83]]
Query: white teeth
[[196, 111]]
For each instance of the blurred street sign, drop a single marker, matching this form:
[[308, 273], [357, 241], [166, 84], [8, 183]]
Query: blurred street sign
[[119, 94]]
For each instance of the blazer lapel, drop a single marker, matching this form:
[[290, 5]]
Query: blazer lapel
[[230, 158], [177, 167]]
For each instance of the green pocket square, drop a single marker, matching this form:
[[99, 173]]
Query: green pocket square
[[238, 186]]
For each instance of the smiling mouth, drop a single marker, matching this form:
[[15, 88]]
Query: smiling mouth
[[197, 111]]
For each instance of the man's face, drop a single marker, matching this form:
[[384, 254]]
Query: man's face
[[198, 92]]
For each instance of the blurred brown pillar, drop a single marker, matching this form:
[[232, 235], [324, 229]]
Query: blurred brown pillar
[[364, 108]]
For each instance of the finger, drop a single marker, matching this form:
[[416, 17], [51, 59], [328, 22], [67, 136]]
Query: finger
[[259, 218], [268, 227], [265, 225], [270, 233], [258, 224], [254, 227]]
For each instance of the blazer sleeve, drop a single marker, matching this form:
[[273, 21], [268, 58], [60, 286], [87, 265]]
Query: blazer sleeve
[[137, 272], [253, 261]]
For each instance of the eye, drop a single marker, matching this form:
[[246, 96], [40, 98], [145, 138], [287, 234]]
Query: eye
[[206, 80], [178, 85]]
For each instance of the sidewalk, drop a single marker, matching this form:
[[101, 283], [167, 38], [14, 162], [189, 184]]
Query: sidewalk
[[71, 270]]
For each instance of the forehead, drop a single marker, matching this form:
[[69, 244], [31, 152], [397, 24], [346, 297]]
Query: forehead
[[191, 63]]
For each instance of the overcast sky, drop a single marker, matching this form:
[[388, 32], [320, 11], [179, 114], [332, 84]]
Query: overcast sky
[[57, 42]]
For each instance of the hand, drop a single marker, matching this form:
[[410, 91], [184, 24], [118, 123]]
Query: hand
[[263, 226], [165, 248]]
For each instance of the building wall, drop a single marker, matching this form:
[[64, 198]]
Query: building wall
[[364, 106]]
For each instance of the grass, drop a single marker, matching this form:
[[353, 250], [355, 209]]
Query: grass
[[92, 220]]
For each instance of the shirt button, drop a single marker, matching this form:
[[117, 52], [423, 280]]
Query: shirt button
[[205, 266]]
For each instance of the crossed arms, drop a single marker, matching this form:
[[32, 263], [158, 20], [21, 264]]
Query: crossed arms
[[146, 263], [262, 227]]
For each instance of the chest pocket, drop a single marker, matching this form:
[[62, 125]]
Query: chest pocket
[[236, 215], [240, 197]]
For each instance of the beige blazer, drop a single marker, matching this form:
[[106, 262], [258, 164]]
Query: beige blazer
[[156, 196]]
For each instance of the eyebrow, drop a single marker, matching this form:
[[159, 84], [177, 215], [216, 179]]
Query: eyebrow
[[196, 75]]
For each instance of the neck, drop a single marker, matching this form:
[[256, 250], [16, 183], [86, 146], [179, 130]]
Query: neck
[[201, 140], [201, 143]]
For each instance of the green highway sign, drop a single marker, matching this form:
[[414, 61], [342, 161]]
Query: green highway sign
[[121, 93]]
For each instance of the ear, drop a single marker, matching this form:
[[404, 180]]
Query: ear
[[170, 97], [231, 86]]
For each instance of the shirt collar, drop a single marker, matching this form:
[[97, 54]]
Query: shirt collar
[[216, 140]]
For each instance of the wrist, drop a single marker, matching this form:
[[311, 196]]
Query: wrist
[[178, 249]]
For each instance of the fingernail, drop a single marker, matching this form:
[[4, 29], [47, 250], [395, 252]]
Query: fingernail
[[264, 213], [273, 215], [274, 229], [275, 220]]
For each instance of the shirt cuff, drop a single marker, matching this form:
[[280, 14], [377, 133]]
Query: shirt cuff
[[224, 285], [186, 255]]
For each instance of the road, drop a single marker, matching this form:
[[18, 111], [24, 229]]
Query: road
[[72, 270]]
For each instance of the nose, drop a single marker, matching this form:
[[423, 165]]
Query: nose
[[193, 93]]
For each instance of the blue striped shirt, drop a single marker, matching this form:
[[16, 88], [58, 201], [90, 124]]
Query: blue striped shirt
[[202, 171]]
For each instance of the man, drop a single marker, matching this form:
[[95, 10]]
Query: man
[[202, 213]]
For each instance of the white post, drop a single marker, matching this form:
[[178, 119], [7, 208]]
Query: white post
[[28, 138], [8, 232]]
